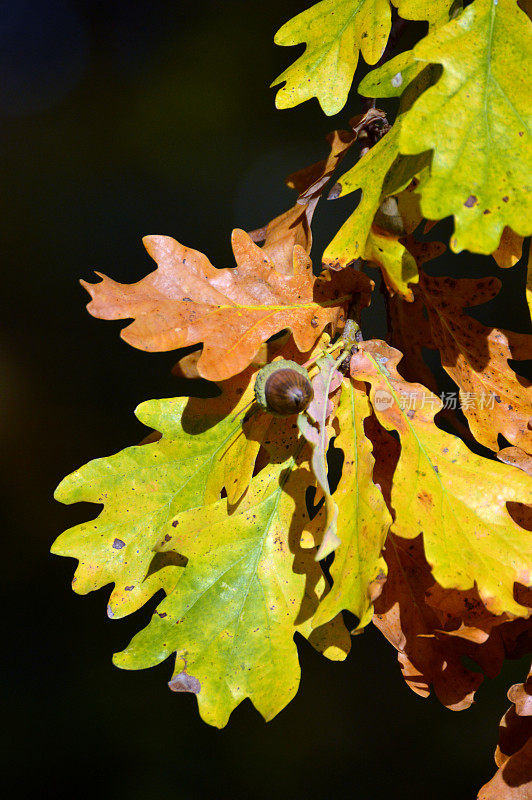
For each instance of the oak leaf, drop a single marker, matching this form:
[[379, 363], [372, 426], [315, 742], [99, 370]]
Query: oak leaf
[[510, 249], [435, 13], [201, 451], [335, 31], [494, 399], [232, 311], [410, 625], [326, 380], [516, 457], [433, 629], [358, 569], [410, 330], [454, 497], [391, 78], [381, 172], [280, 235], [529, 283], [513, 756], [248, 587], [398, 265], [475, 121]]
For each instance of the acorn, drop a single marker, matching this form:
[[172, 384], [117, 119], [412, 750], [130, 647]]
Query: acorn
[[283, 388]]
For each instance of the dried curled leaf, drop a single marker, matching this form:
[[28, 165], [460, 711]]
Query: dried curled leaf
[[455, 498], [476, 119], [326, 380], [232, 311], [281, 234], [248, 587]]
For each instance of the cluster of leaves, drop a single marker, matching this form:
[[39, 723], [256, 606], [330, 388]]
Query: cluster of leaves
[[231, 514]]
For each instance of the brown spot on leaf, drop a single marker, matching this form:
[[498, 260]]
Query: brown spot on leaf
[[314, 322], [425, 499], [128, 588], [505, 199], [118, 544], [183, 682], [471, 201]]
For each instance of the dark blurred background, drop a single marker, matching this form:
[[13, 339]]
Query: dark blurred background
[[120, 119]]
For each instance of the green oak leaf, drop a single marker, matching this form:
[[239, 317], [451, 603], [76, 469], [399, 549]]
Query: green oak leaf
[[247, 589], [358, 569], [142, 488], [476, 119], [335, 31], [380, 173], [390, 79]]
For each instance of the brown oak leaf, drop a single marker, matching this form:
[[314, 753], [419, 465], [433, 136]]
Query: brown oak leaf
[[187, 300], [513, 756], [408, 323], [494, 398], [410, 625], [281, 234], [516, 457], [420, 620]]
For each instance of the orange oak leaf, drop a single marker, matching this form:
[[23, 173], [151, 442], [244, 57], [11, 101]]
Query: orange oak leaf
[[454, 497], [232, 311], [493, 398], [510, 249], [513, 756]]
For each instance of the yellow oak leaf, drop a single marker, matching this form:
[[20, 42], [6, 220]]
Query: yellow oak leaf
[[248, 587], [452, 496], [476, 119], [335, 31], [200, 449], [358, 570]]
